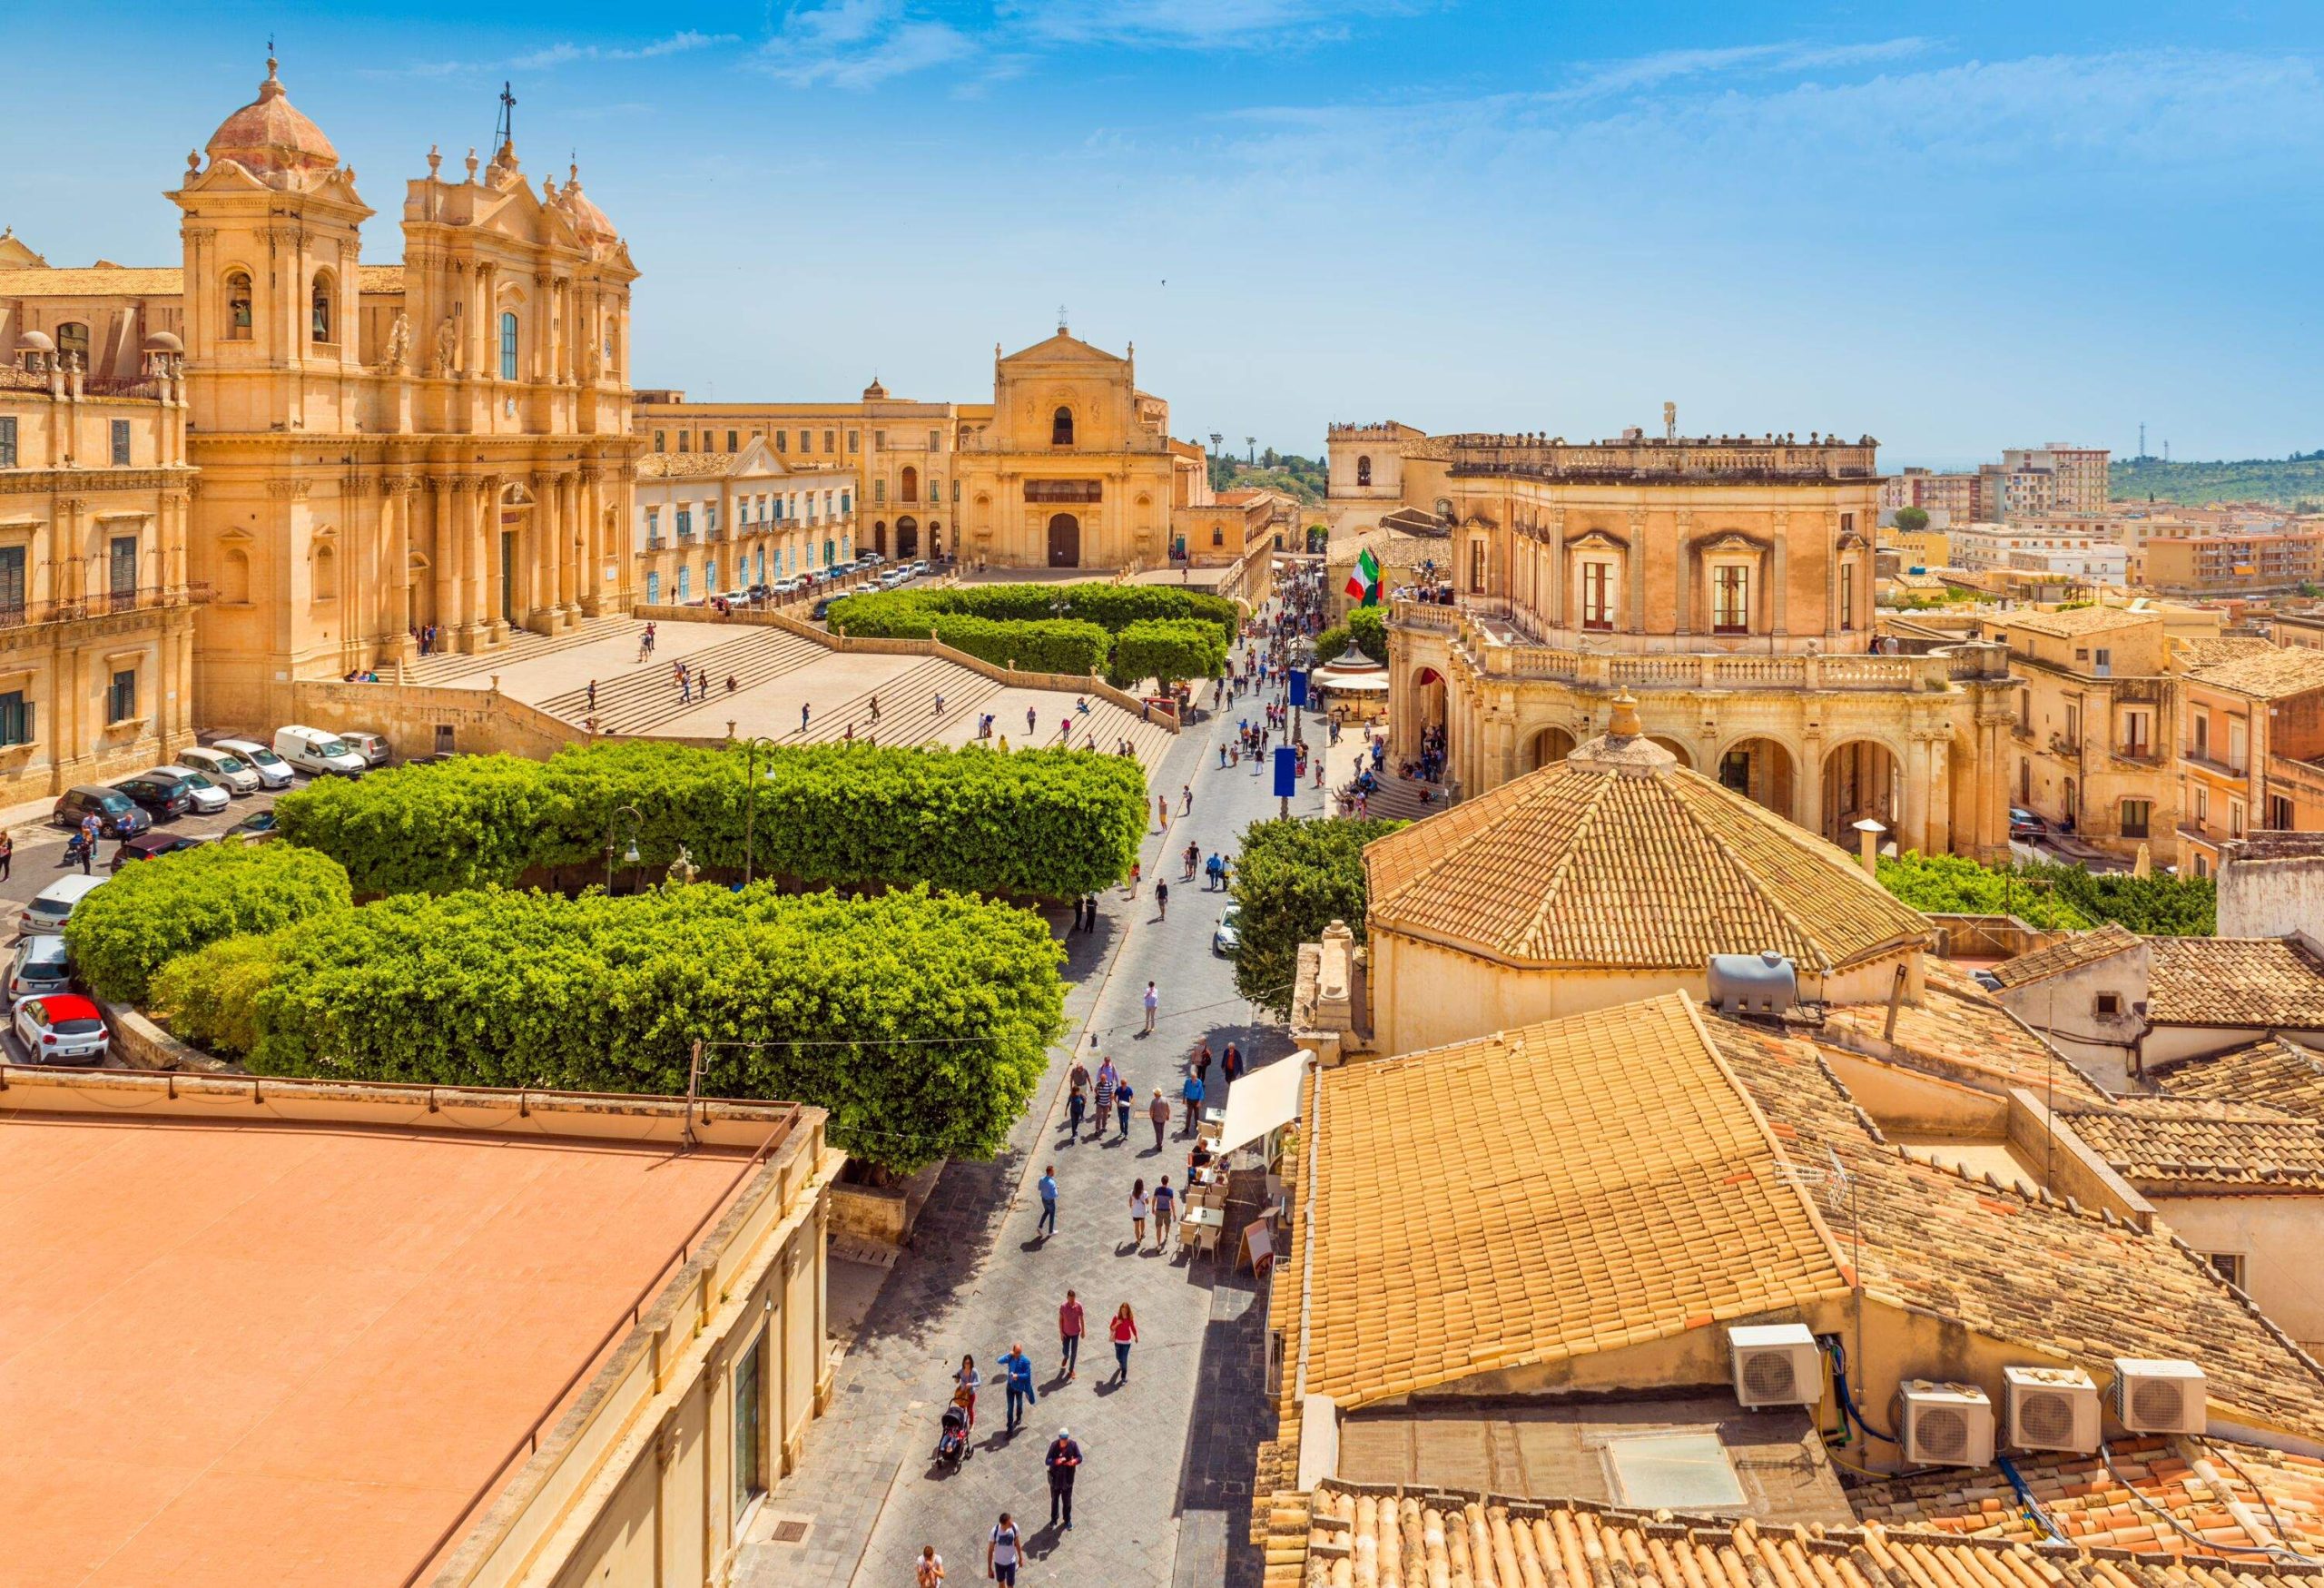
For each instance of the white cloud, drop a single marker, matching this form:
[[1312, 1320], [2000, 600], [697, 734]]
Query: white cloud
[[859, 43], [1192, 23], [677, 43], [1602, 79]]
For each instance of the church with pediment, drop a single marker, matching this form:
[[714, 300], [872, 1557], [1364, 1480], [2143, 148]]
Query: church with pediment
[[443, 444]]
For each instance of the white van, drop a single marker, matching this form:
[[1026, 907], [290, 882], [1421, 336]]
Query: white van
[[53, 906], [313, 750]]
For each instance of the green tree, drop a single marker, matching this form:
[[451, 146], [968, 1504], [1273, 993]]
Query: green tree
[[154, 910], [1169, 651], [2054, 896], [1293, 878], [1912, 520]]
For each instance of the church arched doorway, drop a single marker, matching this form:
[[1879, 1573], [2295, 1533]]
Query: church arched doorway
[[1065, 541], [1548, 746], [879, 538], [907, 539]]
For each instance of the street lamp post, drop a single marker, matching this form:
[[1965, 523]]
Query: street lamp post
[[613, 825], [751, 800]]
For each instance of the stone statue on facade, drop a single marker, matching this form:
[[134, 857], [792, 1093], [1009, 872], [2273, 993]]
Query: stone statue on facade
[[398, 341], [445, 339]]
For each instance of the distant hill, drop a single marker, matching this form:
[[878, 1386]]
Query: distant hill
[[1285, 471], [2293, 483]]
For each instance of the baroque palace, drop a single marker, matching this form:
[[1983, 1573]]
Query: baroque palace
[[1726, 582], [380, 449]]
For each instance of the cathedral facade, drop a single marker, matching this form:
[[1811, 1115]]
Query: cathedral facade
[[440, 444]]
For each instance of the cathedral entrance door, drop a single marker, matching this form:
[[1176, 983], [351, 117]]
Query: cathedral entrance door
[[1065, 541], [508, 576], [907, 539]]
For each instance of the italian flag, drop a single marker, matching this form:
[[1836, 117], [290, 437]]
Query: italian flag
[[1364, 584]]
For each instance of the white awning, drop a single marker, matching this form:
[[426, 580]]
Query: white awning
[[1360, 683], [1261, 1101]]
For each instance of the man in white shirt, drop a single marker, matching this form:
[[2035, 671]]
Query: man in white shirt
[[1002, 1551]]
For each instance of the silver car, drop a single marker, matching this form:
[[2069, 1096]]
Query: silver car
[[274, 772], [223, 768], [1226, 938], [40, 966], [208, 798]]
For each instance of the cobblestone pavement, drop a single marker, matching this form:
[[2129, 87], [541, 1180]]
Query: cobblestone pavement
[[1165, 1490]]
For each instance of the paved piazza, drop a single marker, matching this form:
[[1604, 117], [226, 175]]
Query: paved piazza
[[1164, 1496]]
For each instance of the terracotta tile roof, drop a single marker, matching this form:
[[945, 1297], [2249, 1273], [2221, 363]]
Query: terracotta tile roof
[[1661, 1210], [1578, 865], [2235, 981], [2071, 954], [2163, 1141], [1959, 1031], [110, 281], [1346, 1534], [2269, 674], [2078, 620], [688, 465], [2287, 1075], [2011, 1263], [2219, 647], [2095, 1509]]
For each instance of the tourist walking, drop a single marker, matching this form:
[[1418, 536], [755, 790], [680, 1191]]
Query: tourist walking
[[1092, 903], [1123, 1099], [1192, 1093], [1077, 1098], [1064, 1461], [1110, 1079], [928, 1572], [966, 1383], [803, 712], [1186, 799], [1125, 1332], [1048, 1226], [1161, 814], [1166, 1206], [1070, 1324], [1161, 900], [7, 854], [1153, 1003], [1230, 1063], [1002, 1551], [1159, 1111], [1019, 1369], [1139, 1206], [593, 695]]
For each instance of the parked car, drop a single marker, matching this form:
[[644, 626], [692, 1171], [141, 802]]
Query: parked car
[[918, 568], [208, 798], [255, 828], [870, 559], [162, 793], [821, 609], [274, 772], [1227, 937], [2024, 824], [224, 768], [372, 747], [53, 906], [41, 965], [313, 750], [149, 846], [63, 1028], [118, 815]]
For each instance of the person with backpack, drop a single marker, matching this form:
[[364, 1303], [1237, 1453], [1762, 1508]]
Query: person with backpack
[[1003, 1550], [1077, 1098], [1166, 1206]]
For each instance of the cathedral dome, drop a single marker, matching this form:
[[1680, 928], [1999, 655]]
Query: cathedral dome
[[270, 137], [590, 221]]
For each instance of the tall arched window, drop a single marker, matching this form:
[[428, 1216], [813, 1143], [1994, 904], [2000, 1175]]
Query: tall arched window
[[238, 306], [908, 485], [508, 346], [1061, 428], [71, 343], [1363, 472], [319, 309]]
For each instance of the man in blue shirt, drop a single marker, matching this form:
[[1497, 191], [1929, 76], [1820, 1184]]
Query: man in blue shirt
[[1019, 1369], [1193, 1093], [1048, 1225]]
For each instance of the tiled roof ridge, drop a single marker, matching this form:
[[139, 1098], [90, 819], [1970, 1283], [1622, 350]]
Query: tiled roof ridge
[[2068, 954], [1750, 876]]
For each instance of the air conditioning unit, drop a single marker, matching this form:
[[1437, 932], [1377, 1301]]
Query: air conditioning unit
[[2159, 1394], [2051, 1408], [1946, 1425], [1775, 1364]]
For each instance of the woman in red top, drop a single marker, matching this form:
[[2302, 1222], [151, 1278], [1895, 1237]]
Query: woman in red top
[[1125, 1332]]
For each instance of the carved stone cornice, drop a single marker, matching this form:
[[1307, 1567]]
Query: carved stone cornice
[[70, 504], [288, 489]]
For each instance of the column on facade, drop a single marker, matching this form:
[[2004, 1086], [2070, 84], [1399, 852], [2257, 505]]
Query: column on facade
[[1634, 574], [1938, 830], [1914, 811], [568, 545], [439, 556], [593, 549], [1808, 796], [1559, 572], [485, 543], [1779, 610], [1828, 533], [1683, 591], [405, 494]]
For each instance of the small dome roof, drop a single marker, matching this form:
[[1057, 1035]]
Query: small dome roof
[[589, 220], [270, 137], [875, 391], [38, 341], [164, 341]]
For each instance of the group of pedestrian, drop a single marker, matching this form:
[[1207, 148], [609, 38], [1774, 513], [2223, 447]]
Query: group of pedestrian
[[426, 636], [1084, 913]]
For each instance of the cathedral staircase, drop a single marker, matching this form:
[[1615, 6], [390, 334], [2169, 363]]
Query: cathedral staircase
[[646, 698], [523, 646]]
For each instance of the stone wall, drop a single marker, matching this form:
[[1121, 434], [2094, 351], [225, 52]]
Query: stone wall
[[482, 722]]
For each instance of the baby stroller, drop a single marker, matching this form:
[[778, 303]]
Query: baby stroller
[[952, 1444]]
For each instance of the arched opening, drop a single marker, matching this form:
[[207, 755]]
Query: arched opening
[[879, 538], [326, 573], [907, 539], [508, 353], [320, 317], [1363, 472], [238, 306], [1761, 771], [1860, 780], [935, 539], [1061, 428], [1547, 748], [1428, 698], [1065, 539], [908, 486], [234, 578], [73, 345], [1686, 757]]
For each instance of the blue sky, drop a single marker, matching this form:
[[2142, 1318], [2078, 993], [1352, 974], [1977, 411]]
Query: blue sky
[[1955, 227]]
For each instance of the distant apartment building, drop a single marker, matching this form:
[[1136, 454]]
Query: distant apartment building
[[1918, 548], [2251, 750], [1986, 548], [2232, 565], [2058, 477], [1947, 499]]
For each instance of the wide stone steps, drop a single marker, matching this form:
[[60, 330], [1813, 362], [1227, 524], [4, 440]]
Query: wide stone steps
[[523, 646], [644, 697], [907, 706]]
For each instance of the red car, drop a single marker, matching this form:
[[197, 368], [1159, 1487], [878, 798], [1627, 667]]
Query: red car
[[147, 846]]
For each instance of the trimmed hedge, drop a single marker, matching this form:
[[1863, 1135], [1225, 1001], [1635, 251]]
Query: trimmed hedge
[[1050, 824], [920, 1020], [156, 910], [1294, 877], [1059, 628], [1112, 607], [2051, 896], [1049, 644], [1168, 650]]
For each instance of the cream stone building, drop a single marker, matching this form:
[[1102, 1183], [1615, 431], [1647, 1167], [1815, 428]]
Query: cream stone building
[[712, 523], [1728, 581], [1069, 466], [96, 612], [444, 442]]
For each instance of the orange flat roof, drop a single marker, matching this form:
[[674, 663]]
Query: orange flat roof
[[268, 1352]]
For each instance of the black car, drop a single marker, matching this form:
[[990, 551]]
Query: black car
[[159, 792], [118, 815], [151, 845], [821, 607]]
